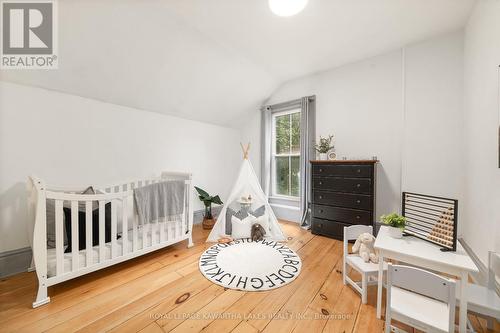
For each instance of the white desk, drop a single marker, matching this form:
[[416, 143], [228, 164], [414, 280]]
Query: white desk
[[418, 252]]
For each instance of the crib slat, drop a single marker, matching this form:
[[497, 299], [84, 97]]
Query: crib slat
[[124, 227], [102, 239], [183, 216], [74, 236], [88, 232], [134, 232], [171, 234], [113, 228], [145, 225], [59, 238], [162, 231], [154, 231]]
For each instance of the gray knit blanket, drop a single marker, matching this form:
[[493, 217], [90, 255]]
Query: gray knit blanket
[[160, 201]]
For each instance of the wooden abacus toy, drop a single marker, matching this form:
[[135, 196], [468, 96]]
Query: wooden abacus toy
[[431, 218]]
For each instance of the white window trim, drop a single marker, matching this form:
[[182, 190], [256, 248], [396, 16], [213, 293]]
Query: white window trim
[[274, 195]]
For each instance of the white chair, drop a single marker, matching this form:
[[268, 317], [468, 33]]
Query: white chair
[[484, 300], [420, 299], [366, 269]]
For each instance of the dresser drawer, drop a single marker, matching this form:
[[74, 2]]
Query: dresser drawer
[[346, 215], [357, 201], [349, 185], [328, 228], [361, 171]]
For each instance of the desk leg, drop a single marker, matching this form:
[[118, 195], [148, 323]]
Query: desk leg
[[463, 302], [379, 288]]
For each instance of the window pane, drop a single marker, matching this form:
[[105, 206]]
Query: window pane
[[282, 174], [295, 133], [295, 170], [282, 131]]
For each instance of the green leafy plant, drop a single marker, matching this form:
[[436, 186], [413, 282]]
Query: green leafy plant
[[324, 145], [208, 200], [394, 220]]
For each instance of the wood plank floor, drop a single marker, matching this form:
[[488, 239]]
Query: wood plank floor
[[145, 295]]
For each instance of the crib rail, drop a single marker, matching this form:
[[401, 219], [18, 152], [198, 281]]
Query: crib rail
[[113, 204]]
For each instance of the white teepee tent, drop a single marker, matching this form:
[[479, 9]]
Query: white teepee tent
[[247, 184]]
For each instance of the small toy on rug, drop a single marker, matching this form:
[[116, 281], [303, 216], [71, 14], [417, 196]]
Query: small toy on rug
[[364, 246], [257, 233], [224, 240]]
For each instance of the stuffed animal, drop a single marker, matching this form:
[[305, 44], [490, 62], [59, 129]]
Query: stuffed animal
[[257, 233], [364, 246]]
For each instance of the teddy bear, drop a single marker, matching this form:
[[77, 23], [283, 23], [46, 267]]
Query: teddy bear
[[364, 246], [257, 233]]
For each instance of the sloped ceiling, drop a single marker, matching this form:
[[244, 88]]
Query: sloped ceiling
[[217, 60]]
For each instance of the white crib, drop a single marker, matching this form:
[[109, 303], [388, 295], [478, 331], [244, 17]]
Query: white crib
[[53, 266]]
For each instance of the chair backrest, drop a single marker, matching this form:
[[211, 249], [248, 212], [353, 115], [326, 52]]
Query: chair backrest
[[421, 281], [493, 270], [352, 232], [424, 283]]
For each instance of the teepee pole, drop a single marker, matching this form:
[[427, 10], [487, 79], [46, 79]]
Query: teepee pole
[[245, 150]]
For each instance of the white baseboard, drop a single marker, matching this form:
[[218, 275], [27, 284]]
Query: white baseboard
[[288, 213], [15, 261]]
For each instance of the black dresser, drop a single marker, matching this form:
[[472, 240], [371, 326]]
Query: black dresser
[[343, 194]]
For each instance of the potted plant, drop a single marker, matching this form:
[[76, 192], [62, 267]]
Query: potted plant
[[396, 224], [324, 146], [208, 200]]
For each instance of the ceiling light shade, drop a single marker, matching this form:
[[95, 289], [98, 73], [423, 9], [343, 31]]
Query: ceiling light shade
[[287, 7]]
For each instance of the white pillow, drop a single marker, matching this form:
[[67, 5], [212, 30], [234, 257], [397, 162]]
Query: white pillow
[[263, 220], [241, 228]]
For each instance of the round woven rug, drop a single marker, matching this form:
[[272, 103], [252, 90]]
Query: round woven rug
[[250, 266]]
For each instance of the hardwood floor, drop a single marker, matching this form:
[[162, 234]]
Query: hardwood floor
[[146, 295]]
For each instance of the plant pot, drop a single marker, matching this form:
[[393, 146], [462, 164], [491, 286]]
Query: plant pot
[[323, 156], [395, 232], [208, 224]]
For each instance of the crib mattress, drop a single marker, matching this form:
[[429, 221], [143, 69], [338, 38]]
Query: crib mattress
[[174, 226]]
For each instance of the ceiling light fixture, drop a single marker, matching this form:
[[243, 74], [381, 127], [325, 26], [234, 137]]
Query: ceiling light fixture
[[287, 7]]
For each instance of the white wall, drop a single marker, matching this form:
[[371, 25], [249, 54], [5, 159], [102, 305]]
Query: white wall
[[407, 113], [481, 121], [72, 141], [433, 108], [357, 103]]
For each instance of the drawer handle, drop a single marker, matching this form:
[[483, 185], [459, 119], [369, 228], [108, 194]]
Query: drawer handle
[[321, 210], [321, 197], [321, 183], [358, 185], [358, 201], [320, 170], [358, 171], [358, 217]]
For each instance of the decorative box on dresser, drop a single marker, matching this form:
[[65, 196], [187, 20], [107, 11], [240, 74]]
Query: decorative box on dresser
[[343, 194]]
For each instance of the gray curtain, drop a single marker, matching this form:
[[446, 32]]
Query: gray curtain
[[265, 158], [307, 137]]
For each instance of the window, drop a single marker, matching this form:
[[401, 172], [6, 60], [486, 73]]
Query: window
[[286, 153]]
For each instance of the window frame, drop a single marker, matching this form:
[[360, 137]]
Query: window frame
[[274, 194]]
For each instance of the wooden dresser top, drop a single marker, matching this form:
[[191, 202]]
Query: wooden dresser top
[[344, 162]]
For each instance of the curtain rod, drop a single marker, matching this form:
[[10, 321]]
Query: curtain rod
[[287, 105]]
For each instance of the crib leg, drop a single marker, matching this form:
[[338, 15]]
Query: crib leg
[[190, 240], [41, 297]]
